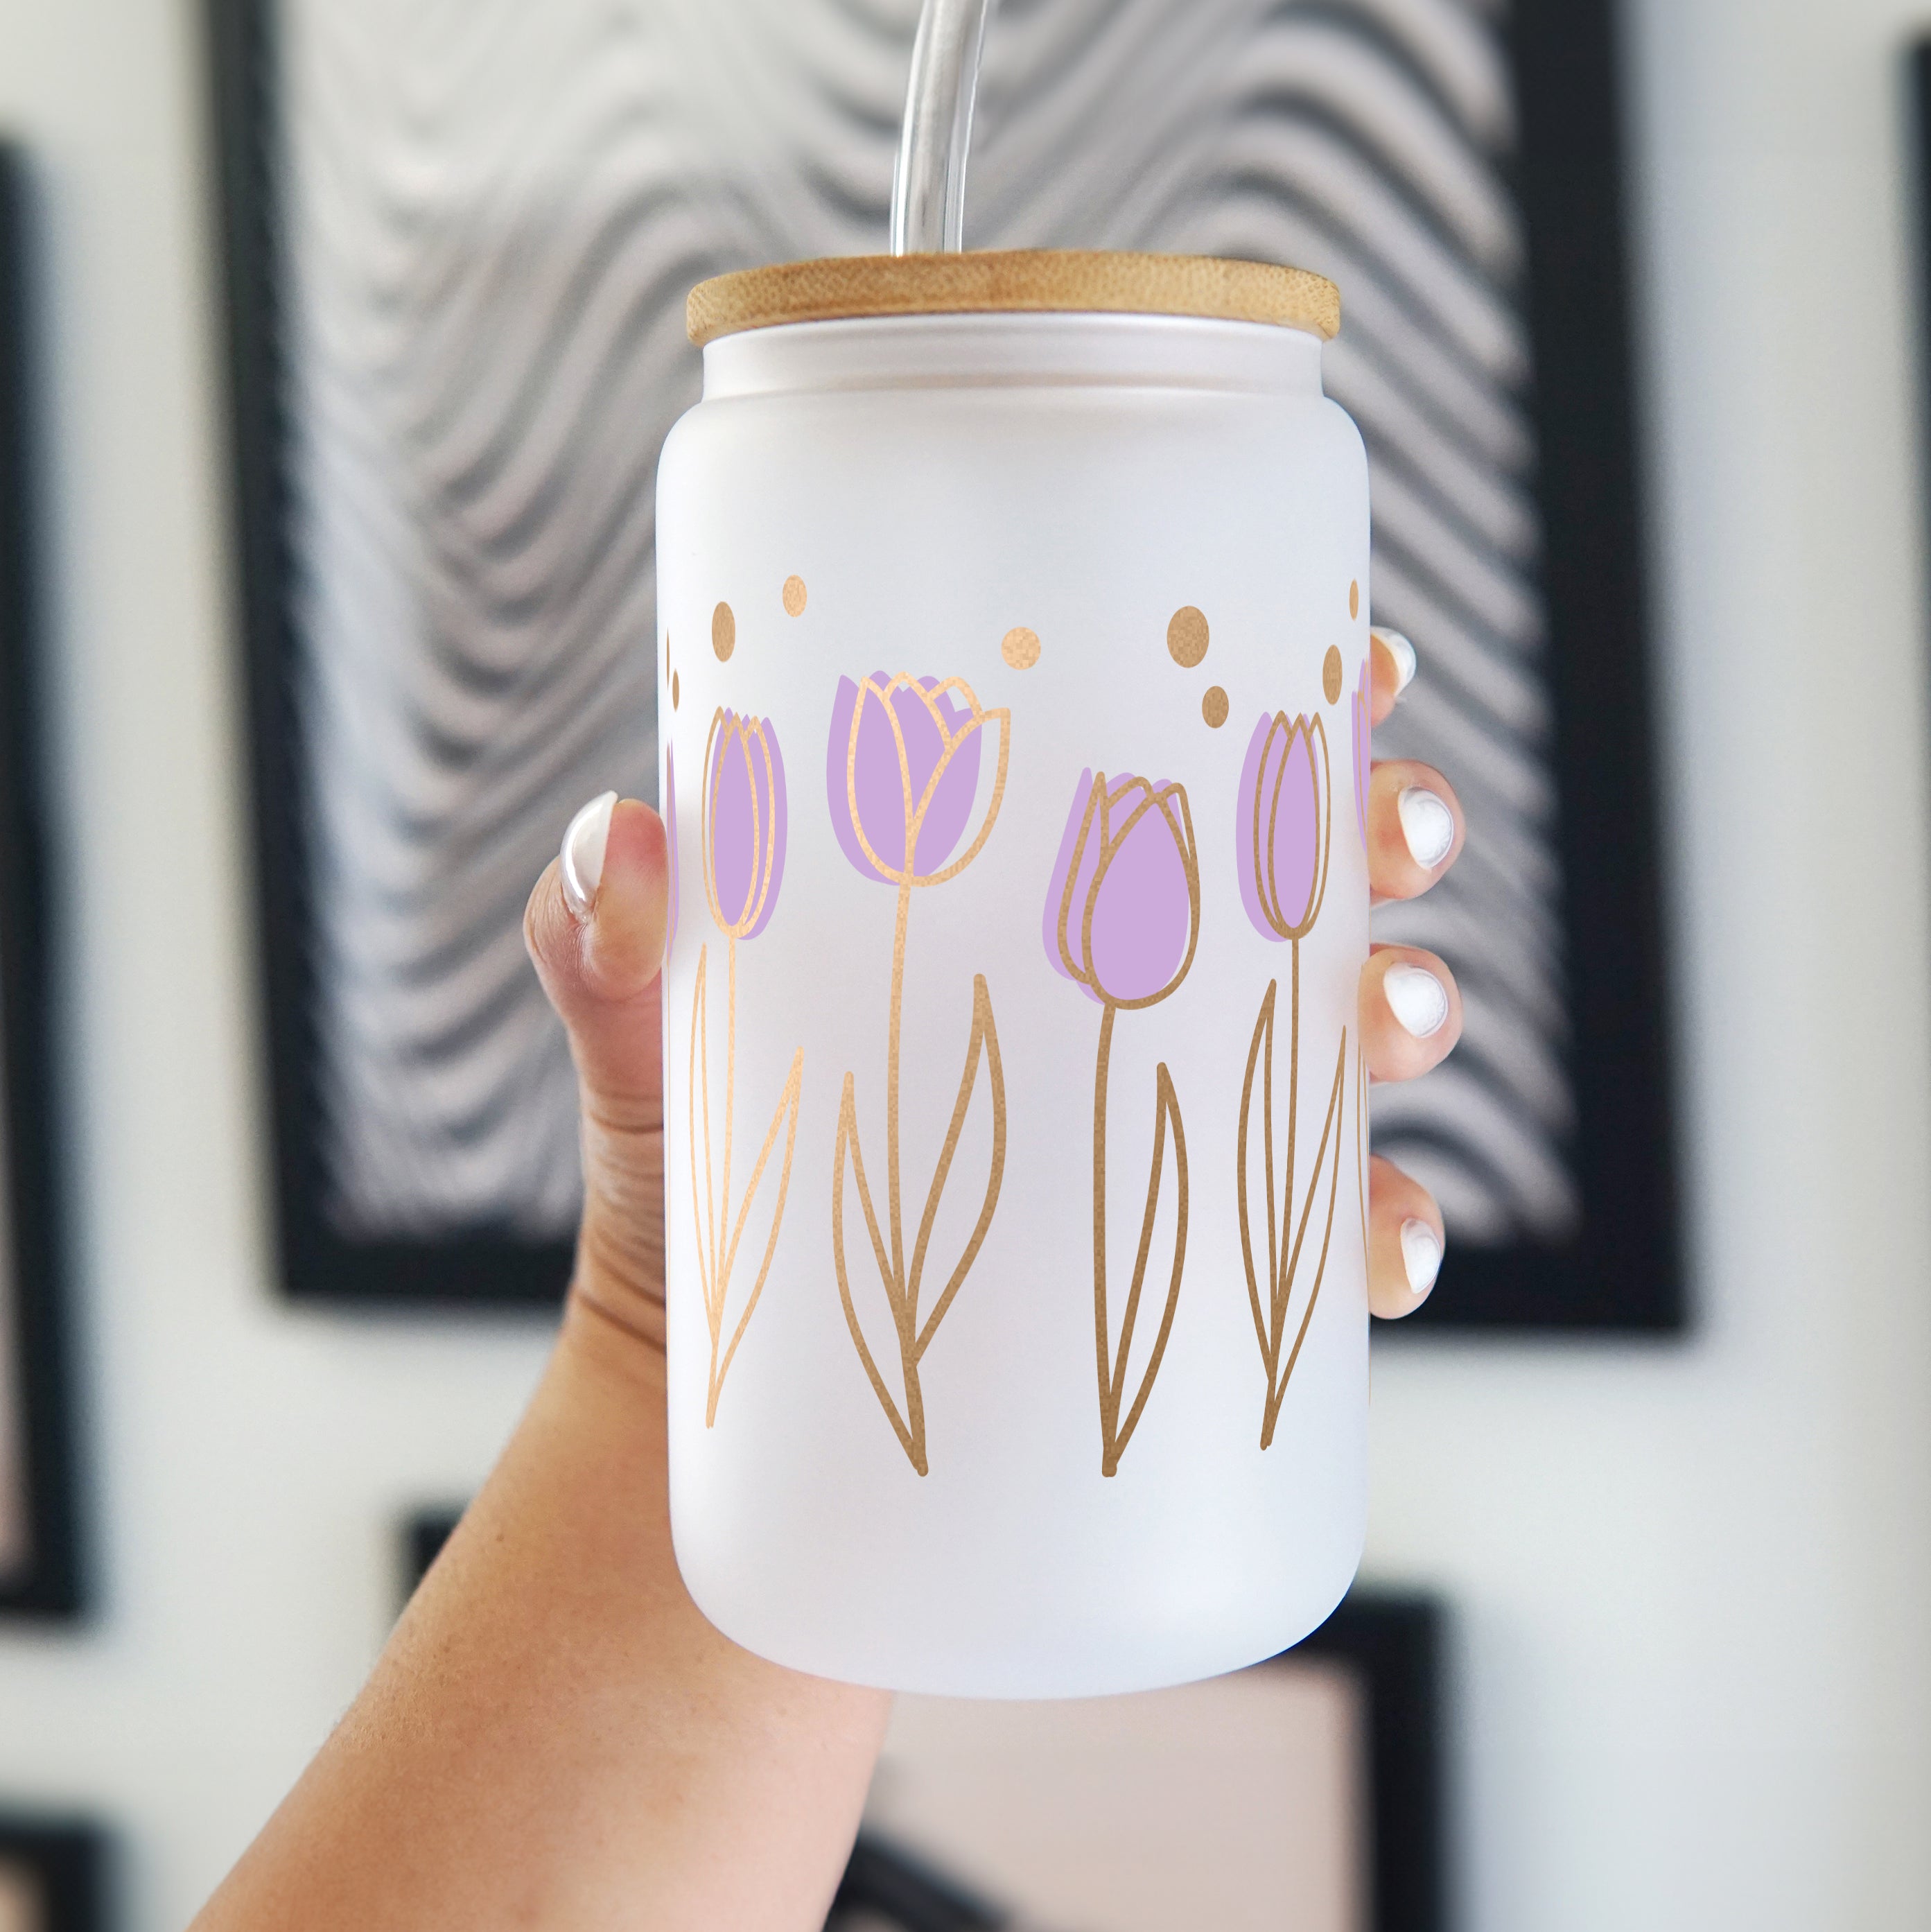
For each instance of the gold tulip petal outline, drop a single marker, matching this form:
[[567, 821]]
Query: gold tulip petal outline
[[1263, 873], [763, 837], [915, 819], [1095, 793], [1181, 829]]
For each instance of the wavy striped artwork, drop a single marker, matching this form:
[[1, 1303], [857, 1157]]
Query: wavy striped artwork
[[491, 212]]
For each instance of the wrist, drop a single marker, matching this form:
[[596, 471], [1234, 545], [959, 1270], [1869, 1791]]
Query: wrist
[[615, 1330]]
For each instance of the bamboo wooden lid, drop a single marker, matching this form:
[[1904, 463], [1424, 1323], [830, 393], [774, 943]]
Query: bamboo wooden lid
[[1081, 281]]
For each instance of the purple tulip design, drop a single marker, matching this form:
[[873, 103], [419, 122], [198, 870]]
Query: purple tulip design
[[743, 823], [902, 772], [1281, 833], [1122, 922], [1282, 837], [1122, 912], [743, 835], [903, 763]]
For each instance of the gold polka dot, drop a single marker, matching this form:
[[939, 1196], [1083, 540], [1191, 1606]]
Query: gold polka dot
[[794, 597], [724, 632], [677, 692], [1020, 648], [1330, 674], [1213, 706], [1186, 636], [1354, 599]]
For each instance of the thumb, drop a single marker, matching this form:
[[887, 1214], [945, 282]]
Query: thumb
[[595, 929]]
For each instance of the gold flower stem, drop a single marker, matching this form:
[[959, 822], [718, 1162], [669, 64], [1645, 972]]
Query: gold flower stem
[[1111, 1363], [1277, 1393], [1109, 1408], [730, 1093], [1283, 1277], [908, 1326], [704, 1212], [717, 1239], [1285, 1253], [904, 1314], [914, 1341], [718, 1287]]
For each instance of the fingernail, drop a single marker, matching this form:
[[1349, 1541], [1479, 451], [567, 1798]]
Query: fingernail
[[1403, 652], [1417, 997], [1427, 824], [1421, 1256], [581, 861]]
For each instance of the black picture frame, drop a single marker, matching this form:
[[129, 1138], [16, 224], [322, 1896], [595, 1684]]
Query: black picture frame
[[32, 1283], [488, 1268], [1621, 1269], [1392, 1640], [68, 1861]]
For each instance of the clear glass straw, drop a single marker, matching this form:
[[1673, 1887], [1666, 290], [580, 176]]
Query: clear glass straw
[[928, 183]]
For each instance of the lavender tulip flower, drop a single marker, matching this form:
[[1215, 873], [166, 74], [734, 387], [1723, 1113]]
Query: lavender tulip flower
[[1282, 834], [1282, 825], [744, 827], [902, 771], [1122, 921], [902, 768], [1122, 911]]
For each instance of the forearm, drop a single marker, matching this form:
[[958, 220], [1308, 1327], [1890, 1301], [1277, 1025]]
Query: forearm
[[554, 1735]]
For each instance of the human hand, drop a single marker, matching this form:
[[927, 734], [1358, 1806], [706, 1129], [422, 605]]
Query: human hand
[[595, 927], [1411, 1008]]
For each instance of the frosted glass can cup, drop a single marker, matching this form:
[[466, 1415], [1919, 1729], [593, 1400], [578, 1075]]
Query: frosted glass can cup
[[1014, 711]]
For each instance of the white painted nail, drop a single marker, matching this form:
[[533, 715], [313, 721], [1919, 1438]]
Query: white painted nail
[[1421, 1256], [1416, 998], [1427, 824], [1403, 652], [581, 861]]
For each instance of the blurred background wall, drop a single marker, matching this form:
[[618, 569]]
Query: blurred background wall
[[1693, 1582]]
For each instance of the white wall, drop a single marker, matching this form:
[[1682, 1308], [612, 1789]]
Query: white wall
[[1694, 1582]]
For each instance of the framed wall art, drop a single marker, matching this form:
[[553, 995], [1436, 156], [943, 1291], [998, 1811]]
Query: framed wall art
[[52, 1876], [459, 245], [38, 1570], [1169, 1808], [1305, 1793]]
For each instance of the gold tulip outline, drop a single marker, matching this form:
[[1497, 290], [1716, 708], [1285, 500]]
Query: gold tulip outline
[[763, 836], [914, 816], [1283, 1258], [711, 1215], [1111, 1362], [1315, 733], [904, 1283]]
